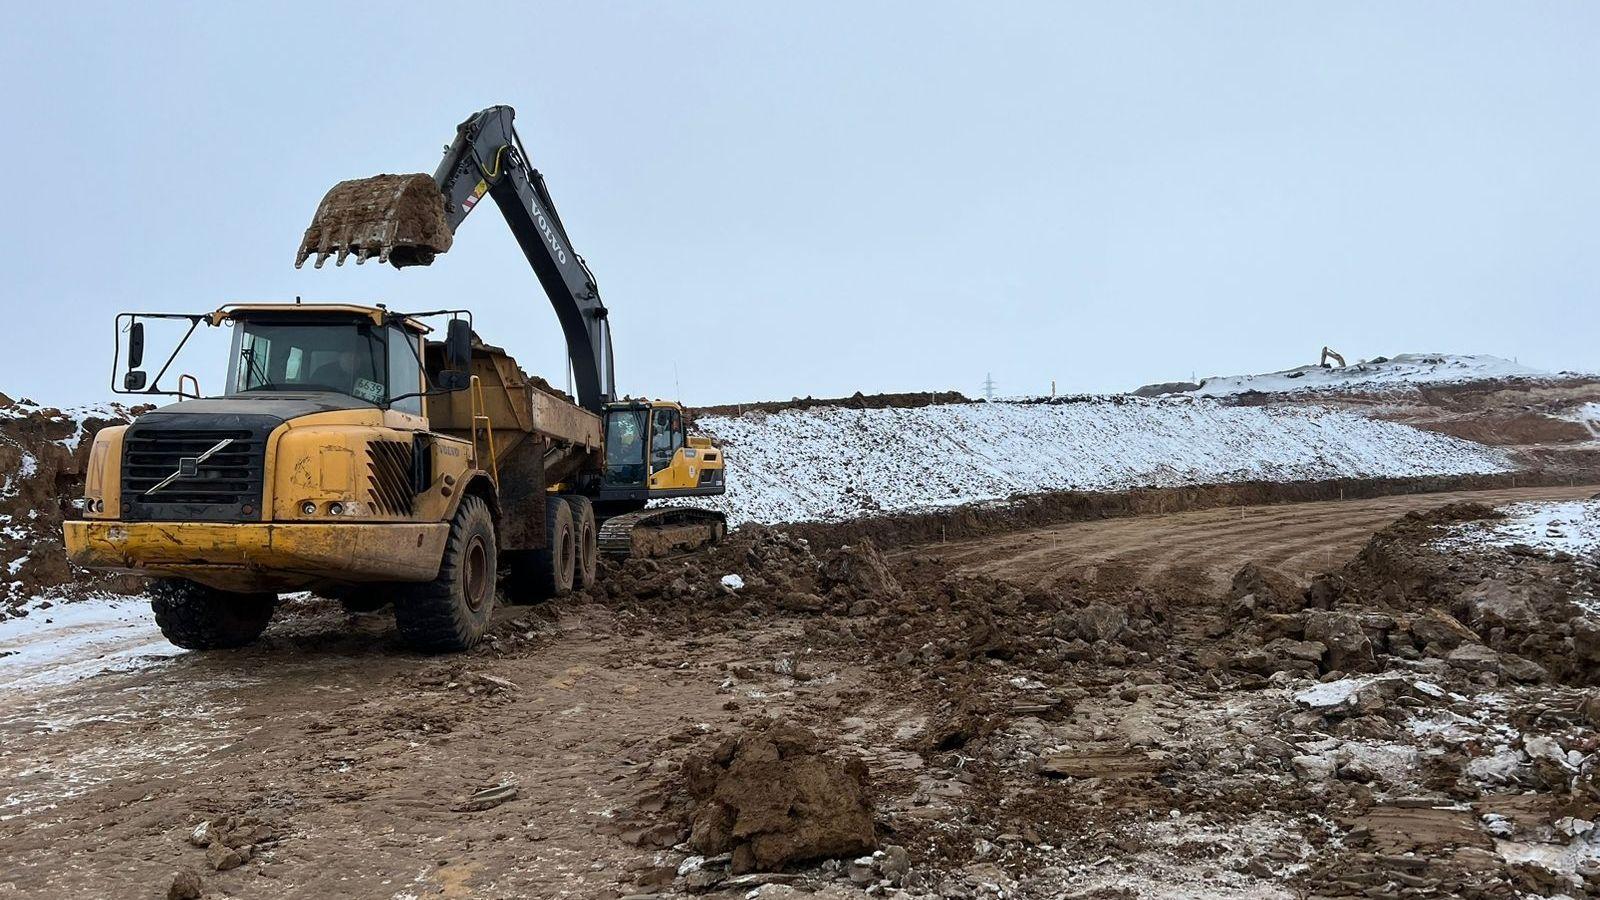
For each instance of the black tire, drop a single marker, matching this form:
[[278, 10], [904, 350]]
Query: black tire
[[451, 612], [197, 617], [537, 575], [586, 541]]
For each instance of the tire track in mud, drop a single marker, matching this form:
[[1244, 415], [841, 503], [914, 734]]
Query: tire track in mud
[[1298, 539]]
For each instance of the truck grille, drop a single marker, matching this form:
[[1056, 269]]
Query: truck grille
[[389, 467], [226, 486]]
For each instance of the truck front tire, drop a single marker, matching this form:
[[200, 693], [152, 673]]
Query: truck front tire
[[197, 617], [451, 612]]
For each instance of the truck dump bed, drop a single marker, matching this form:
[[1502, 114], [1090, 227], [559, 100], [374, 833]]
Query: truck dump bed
[[521, 410]]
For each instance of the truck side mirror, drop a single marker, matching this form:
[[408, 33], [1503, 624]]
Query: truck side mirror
[[458, 345], [133, 381], [135, 346], [453, 380]]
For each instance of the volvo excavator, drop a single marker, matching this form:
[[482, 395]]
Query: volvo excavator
[[352, 455]]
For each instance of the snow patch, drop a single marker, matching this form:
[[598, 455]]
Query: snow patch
[[71, 641], [1376, 376], [834, 463], [1552, 526]]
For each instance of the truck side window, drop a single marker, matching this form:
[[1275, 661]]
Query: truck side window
[[405, 374]]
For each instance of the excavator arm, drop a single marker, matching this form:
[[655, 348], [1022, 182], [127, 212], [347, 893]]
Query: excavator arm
[[398, 218]]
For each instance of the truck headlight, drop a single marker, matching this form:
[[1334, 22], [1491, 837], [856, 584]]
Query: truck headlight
[[308, 508]]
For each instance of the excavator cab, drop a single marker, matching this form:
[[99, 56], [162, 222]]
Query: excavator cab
[[650, 455]]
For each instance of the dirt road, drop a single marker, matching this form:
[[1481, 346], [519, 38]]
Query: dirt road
[[1298, 539], [359, 760]]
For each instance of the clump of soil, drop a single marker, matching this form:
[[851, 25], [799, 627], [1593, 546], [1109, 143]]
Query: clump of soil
[[858, 574], [773, 797]]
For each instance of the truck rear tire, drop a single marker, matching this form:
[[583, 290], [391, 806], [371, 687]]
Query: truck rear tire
[[547, 572], [451, 612], [197, 617], [586, 541]]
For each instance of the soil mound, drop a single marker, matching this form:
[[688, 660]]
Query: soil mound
[[1506, 614], [857, 400], [772, 797], [43, 452]]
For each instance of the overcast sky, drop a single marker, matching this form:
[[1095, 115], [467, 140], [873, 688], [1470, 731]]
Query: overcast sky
[[821, 198]]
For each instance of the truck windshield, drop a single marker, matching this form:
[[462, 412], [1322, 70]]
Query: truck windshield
[[347, 357]]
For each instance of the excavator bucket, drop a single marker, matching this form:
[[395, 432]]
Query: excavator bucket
[[397, 218]]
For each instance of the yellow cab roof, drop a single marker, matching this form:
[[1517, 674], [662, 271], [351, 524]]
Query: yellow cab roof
[[377, 315]]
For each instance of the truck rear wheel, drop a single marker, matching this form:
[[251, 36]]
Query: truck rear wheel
[[197, 617], [452, 611], [586, 541], [547, 572]]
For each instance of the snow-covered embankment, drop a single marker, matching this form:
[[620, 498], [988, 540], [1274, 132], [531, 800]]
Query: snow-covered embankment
[[833, 463]]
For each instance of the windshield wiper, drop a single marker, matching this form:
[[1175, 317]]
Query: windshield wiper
[[256, 368]]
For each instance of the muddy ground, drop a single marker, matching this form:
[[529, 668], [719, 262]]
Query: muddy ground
[[1154, 705]]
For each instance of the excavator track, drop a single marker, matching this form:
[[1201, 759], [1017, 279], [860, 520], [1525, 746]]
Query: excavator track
[[661, 532]]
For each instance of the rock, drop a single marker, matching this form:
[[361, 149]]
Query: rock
[[220, 857], [894, 863], [1440, 631], [1550, 765], [861, 872], [800, 601], [1095, 622], [659, 836], [1273, 592], [1520, 668], [1586, 639], [185, 886], [1310, 651], [490, 797], [201, 836], [772, 797], [1386, 764], [1313, 768], [1498, 604], [701, 880], [1590, 707], [1349, 647], [860, 572], [1325, 591], [1474, 658]]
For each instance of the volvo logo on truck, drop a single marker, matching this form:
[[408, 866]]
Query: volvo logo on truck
[[188, 467]]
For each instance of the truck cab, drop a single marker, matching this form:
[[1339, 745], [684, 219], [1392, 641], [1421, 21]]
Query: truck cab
[[334, 462]]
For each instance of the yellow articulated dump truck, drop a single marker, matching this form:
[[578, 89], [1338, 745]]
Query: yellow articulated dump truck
[[352, 455]]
